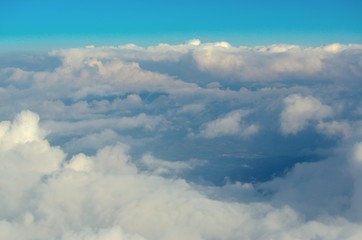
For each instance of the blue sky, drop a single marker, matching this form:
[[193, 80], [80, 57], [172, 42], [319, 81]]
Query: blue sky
[[24, 23]]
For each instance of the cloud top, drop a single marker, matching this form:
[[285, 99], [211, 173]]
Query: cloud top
[[299, 111], [229, 125]]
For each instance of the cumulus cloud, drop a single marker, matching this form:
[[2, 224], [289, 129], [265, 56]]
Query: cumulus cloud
[[273, 62], [334, 128], [191, 108], [121, 131], [300, 111], [230, 124], [24, 129], [24, 156], [106, 197]]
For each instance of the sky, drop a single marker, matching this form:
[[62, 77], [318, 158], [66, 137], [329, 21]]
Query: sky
[[48, 24], [172, 121]]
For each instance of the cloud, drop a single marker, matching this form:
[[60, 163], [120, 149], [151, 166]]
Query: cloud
[[191, 108], [19, 137], [299, 111], [24, 156], [105, 196], [334, 128], [113, 233], [109, 153], [275, 62], [230, 124], [162, 167], [356, 166], [24, 129], [123, 123], [93, 141]]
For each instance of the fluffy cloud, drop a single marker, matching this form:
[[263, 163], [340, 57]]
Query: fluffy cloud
[[299, 111], [123, 116], [24, 156], [273, 62], [335, 128], [106, 197], [230, 124], [191, 108]]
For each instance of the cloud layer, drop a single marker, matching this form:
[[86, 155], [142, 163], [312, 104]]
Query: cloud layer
[[190, 141], [106, 197]]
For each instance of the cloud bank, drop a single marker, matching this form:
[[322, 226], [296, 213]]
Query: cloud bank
[[190, 141], [105, 196]]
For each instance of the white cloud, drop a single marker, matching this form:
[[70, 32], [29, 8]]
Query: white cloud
[[90, 46], [19, 137], [80, 163], [157, 166], [106, 197], [93, 141], [191, 108], [300, 111], [334, 128], [218, 58], [230, 124], [275, 62], [24, 157], [151, 99], [112, 233], [141, 120], [194, 42], [334, 48], [24, 129]]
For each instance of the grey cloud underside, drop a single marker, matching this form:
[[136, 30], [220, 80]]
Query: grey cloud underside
[[212, 140]]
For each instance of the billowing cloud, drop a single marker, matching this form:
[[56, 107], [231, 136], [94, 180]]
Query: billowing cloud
[[334, 128], [189, 141], [230, 124], [106, 197], [299, 111], [273, 62]]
